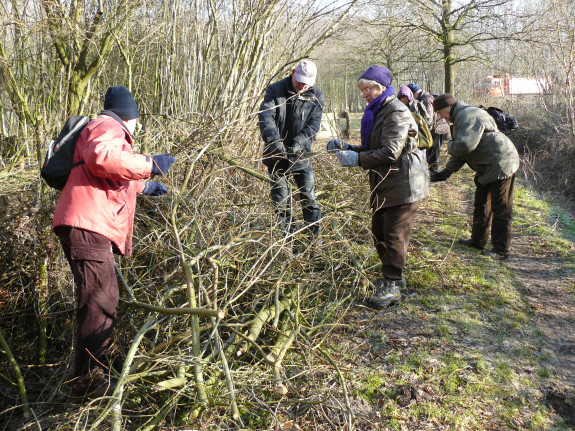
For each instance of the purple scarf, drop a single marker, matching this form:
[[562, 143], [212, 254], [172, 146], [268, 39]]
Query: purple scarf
[[369, 114]]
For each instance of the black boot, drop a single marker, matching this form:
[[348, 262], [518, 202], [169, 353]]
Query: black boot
[[469, 243]]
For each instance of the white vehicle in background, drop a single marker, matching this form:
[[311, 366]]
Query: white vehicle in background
[[508, 85]]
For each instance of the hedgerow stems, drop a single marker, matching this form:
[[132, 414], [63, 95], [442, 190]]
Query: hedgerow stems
[[115, 405], [17, 375]]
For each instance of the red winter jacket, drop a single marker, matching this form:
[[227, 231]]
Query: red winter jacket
[[100, 195]]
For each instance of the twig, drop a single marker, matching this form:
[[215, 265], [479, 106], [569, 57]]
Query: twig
[[17, 374], [341, 380], [115, 405], [204, 312]]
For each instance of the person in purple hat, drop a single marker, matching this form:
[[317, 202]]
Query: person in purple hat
[[405, 95], [439, 127], [398, 177]]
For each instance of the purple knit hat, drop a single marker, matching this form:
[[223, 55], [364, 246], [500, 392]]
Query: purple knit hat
[[405, 91], [379, 74]]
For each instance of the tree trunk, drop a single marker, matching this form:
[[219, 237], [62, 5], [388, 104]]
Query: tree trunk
[[449, 67]]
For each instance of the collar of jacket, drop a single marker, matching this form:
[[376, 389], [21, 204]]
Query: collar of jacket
[[109, 113], [389, 98], [452, 113], [306, 95]]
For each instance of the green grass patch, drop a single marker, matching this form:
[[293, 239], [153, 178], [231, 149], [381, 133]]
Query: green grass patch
[[478, 361]]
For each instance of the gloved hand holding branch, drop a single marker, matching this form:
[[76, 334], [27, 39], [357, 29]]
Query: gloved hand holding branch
[[153, 188], [162, 164], [347, 158], [334, 145]]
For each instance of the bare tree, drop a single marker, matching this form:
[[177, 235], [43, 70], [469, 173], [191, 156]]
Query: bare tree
[[456, 29], [81, 33], [556, 53]]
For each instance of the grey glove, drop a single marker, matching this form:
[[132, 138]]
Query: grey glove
[[441, 175], [347, 159], [296, 148], [336, 144]]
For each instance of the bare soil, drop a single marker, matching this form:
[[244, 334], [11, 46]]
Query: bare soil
[[546, 287], [549, 291]]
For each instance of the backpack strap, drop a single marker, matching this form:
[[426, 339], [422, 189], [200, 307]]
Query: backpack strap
[[115, 117], [109, 114], [81, 162]]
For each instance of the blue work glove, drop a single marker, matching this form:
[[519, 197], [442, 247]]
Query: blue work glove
[[347, 158], [154, 189], [336, 144], [162, 164], [441, 175]]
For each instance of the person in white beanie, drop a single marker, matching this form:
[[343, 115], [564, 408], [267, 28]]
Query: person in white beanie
[[289, 119]]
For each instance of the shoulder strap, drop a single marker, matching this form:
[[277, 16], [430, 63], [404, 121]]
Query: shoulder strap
[[115, 117]]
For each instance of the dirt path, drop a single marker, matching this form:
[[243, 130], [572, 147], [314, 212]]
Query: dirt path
[[549, 286], [549, 289], [464, 314]]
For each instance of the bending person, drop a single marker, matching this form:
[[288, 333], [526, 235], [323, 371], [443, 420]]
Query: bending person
[[477, 142]]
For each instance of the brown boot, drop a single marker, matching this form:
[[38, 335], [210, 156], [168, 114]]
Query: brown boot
[[95, 384]]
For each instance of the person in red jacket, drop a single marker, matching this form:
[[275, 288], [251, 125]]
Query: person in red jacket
[[93, 220]]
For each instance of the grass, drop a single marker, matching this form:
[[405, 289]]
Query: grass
[[553, 226], [478, 365], [460, 352]]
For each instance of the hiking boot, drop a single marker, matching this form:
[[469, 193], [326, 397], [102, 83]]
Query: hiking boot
[[95, 384], [469, 243], [388, 293], [495, 255]]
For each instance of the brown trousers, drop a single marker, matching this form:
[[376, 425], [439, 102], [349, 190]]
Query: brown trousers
[[493, 206], [92, 261], [391, 228]]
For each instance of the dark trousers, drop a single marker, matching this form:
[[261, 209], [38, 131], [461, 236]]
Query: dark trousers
[[391, 228], [493, 206], [434, 153], [92, 261], [281, 196]]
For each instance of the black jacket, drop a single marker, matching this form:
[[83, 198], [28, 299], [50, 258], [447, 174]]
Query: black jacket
[[287, 118]]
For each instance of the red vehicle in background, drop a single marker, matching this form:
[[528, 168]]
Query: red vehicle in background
[[504, 85]]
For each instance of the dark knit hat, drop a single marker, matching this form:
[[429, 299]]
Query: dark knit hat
[[413, 87], [443, 101], [120, 101], [379, 74]]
